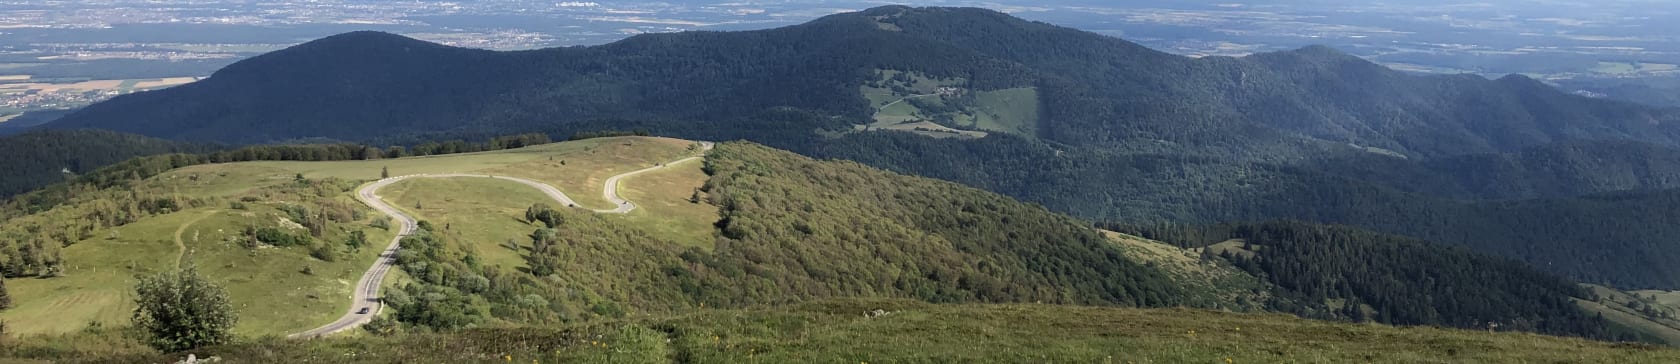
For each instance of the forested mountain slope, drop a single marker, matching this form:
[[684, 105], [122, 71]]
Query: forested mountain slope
[[1096, 90], [1620, 238], [1555, 170], [45, 157], [1352, 274], [355, 86]]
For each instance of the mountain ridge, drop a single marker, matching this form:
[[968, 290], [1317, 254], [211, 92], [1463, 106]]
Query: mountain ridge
[[1097, 89]]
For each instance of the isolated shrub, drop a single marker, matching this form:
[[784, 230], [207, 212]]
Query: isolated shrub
[[5, 296], [383, 326], [277, 237], [356, 241], [324, 252], [180, 310]]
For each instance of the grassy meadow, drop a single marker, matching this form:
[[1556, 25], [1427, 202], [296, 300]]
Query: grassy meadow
[[485, 213], [268, 285], [665, 205], [283, 290]]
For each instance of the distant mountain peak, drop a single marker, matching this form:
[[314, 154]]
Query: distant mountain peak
[[369, 47], [1323, 52], [1522, 80], [363, 35], [1323, 58], [885, 10], [891, 12], [368, 39]]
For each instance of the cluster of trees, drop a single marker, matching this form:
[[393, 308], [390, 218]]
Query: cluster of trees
[[356, 240], [276, 237], [540, 212], [607, 133], [1392, 279], [339, 152], [445, 292], [328, 210], [459, 146], [33, 257], [36, 227], [445, 296], [318, 207]]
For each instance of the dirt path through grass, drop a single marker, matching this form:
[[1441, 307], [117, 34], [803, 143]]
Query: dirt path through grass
[[182, 254]]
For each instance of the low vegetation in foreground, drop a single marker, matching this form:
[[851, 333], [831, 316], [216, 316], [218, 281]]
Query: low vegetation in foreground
[[889, 331]]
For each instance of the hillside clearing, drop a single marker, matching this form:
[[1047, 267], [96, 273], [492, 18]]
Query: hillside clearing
[[943, 108], [1640, 311], [1212, 283], [1237, 247]]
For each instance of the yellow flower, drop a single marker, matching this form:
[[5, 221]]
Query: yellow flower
[[1227, 360], [508, 357]]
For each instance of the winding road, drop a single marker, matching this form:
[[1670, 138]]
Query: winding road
[[366, 294]]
